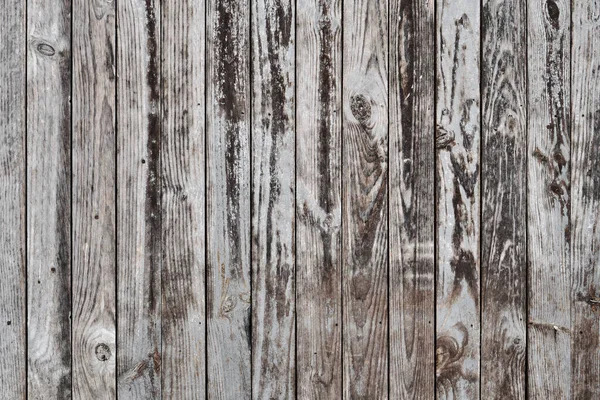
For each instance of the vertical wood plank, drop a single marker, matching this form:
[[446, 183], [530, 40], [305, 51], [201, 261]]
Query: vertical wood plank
[[13, 312], [365, 199], [49, 199], [273, 199], [457, 197], [228, 196], [548, 222], [183, 155], [412, 222], [93, 198], [585, 191], [318, 199], [138, 200], [504, 186]]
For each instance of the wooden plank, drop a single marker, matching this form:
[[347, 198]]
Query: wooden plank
[[273, 200], [93, 200], [49, 199], [12, 201], [412, 222], [183, 155], [138, 200], [318, 199], [457, 197], [504, 186], [548, 222], [229, 336], [365, 199], [585, 192]]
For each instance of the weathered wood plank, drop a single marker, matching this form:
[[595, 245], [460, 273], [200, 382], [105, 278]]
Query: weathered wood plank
[[93, 200], [457, 197], [138, 200], [585, 192], [548, 225], [183, 173], [228, 200], [49, 199], [504, 187], [318, 199], [13, 312], [412, 222], [365, 199], [273, 200]]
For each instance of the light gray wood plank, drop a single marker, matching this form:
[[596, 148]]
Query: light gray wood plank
[[49, 199], [318, 199], [183, 173], [365, 199], [457, 197], [93, 200], [548, 225]]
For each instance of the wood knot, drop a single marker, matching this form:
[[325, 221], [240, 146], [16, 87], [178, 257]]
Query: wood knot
[[45, 49], [444, 138], [103, 352], [553, 12], [361, 108]]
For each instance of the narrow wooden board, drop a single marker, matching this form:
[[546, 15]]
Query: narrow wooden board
[[93, 200], [138, 200], [585, 192], [318, 199], [273, 200], [548, 224], [504, 191], [13, 307], [183, 360], [457, 197], [49, 199], [365, 199], [229, 333], [412, 210]]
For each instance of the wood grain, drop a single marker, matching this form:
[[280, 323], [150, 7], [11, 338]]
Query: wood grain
[[504, 192], [318, 199], [585, 192], [49, 199], [548, 222], [228, 200], [457, 200], [412, 222], [93, 200], [365, 199], [183, 176], [273, 200]]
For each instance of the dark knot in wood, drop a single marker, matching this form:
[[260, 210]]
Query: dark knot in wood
[[361, 108], [444, 138], [103, 352], [45, 49]]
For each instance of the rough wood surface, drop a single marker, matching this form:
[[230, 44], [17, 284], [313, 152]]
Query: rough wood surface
[[504, 192], [49, 199], [412, 222], [318, 199], [457, 198], [365, 199], [273, 200], [93, 200], [548, 224], [229, 333]]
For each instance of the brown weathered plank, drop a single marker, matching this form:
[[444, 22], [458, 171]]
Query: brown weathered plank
[[228, 200], [585, 192], [273, 200], [504, 187], [49, 199], [183, 361], [13, 312], [412, 222], [365, 199], [548, 225], [318, 199], [93, 197], [457, 197]]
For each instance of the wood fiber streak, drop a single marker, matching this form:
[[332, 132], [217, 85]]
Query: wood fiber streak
[[412, 223], [318, 199]]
